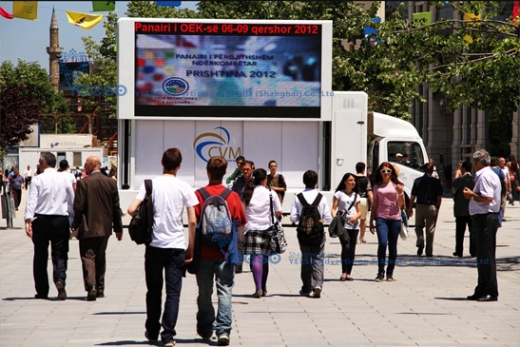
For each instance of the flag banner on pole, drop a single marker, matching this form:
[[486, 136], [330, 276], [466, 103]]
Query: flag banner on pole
[[25, 9], [369, 30], [427, 16], [169, 3], [515, 14], [84, 20], [103, 6], [5, 14], [468, 16]]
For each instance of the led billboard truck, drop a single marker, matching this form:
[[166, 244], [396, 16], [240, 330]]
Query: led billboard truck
[[257, 88]]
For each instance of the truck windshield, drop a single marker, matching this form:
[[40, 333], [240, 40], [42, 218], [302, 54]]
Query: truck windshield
[[406, 153]]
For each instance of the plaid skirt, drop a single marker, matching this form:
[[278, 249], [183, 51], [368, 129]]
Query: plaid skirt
[[256, 242]]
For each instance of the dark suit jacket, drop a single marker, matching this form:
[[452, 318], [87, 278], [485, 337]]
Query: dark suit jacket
[[96, 204], [461, 204]]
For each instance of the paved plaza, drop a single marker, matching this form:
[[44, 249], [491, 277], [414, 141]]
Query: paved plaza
[[425, 306]]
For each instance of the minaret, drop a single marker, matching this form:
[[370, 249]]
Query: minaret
[[54, 52]]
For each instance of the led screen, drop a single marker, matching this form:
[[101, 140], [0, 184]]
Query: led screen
[[228, 70]]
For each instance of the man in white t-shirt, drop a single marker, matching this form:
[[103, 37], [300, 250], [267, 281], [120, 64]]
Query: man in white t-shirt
[[167, 251], [64, 169], [28, 177]]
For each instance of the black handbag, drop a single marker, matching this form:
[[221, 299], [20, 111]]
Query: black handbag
[[277, 241]]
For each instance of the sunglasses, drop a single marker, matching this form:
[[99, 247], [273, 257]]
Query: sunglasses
[[386, 171]]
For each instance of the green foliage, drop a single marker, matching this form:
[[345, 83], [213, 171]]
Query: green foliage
[[37, 83], [409, 53], [26, 94], [101, 96]]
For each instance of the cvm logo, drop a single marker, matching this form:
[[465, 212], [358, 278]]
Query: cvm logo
[[208, 145]]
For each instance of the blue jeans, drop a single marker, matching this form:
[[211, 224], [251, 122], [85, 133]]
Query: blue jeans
[[171, 260], [387, 235], [224, 275]]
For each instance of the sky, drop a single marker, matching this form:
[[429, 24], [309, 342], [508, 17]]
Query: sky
[[27, 40]]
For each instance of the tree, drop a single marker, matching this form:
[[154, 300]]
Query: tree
[[26, 94], [17, 113], [407, 53]]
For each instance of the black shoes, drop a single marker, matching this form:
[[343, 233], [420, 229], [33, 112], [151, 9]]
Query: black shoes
[[420, 250], [380, 277], [484, 298], [487, 298], [100, 294], [92, 292], [40, 296], [62, 294]]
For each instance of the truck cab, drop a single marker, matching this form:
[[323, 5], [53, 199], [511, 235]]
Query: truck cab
[[391, 136]]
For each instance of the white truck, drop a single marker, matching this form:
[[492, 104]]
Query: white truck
[[330, 148], [257, 88]]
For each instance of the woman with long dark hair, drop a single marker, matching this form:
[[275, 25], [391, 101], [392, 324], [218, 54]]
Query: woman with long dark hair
[[386, 211], [257, 205], [348, 202]]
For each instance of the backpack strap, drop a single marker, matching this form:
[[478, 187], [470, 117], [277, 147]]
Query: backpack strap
[[317, 200], [148, 186], [302, 200], [204, 193], [225, 193]]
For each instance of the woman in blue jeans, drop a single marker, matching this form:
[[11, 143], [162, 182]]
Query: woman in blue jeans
[[388, 198]]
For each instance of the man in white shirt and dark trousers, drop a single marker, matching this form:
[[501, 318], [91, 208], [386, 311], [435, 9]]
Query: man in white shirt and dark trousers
[[312, 261], [167, 252], [49, 204], [484, 206]]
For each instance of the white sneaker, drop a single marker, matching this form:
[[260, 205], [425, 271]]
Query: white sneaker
[[317, 293]]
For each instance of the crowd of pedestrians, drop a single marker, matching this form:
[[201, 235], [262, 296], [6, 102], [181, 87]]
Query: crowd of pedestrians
[[56, 203]]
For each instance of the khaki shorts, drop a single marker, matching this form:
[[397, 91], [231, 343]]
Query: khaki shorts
[[364, 208]]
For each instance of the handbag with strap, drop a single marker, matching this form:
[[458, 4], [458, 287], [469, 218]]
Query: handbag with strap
[[277, 237], [337, 226], [404, 226]]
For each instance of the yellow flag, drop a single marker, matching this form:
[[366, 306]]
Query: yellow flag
[[84, 20], [470, 17], [25, 9]]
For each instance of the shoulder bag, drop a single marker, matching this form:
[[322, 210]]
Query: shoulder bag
[[276, 235]]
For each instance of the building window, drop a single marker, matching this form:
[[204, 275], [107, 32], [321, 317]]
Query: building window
[[76, 159]]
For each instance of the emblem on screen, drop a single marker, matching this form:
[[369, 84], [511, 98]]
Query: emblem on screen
[[209, 145], [175, 86]]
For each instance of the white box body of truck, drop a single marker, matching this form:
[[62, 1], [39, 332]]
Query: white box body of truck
[[329, 148]]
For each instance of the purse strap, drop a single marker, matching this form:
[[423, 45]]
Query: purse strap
[[352, 203], [271, 203]]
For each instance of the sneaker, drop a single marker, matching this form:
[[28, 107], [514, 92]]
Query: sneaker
[[390, 278], [380, 277], [169, 343], [317, 293], [303, 293], [151, 340], [258, 294], [223, 339], [62, 294]]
